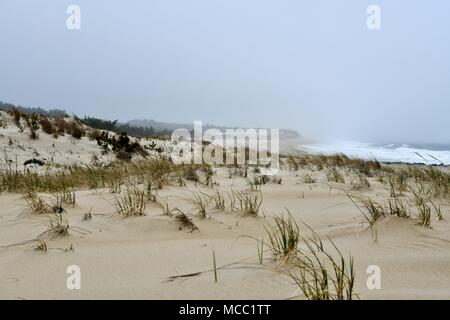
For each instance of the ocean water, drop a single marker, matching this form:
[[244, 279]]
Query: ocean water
[[384, 153]]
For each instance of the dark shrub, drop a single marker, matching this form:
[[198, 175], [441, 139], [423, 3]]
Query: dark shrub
[[190, 173], [61, 126], [16, 116], [93, 134], [123, 155], [47, 126], [76, 130], [33, 135]]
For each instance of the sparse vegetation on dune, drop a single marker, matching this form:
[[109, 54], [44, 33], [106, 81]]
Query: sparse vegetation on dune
[[318, 162], [431, 180], [415, 204], [133, 182], [52, 125], [375, 210], [72, 177], [319, 273]]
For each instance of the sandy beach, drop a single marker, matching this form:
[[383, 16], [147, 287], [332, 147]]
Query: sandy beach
[[141, 256]]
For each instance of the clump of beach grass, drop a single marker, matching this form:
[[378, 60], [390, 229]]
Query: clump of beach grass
[[360, 182], [249, 202], [309, 178], [260, 250], [42, 246], [68, 197], [88, 216], [292, 163], [398, 207], [254, 184], [423, 210], [35, 203], [276, 179], [131, 202], [200, 201], [333, 175], [376, 210], [58, 225], [283, 238], [438, 211], [184, 221], [189, 173], [164, 205], [218, 200], [320, 275], [150, 195]]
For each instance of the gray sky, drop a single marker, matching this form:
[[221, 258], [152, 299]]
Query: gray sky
[[312, 66]]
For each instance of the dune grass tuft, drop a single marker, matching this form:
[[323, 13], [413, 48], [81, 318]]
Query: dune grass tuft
[[185, 221], [333, 175], [164, 205], [35, 203], [42, 246], [58, 225], [283, 237], [200, 201], [423, 210], [249, 202], [309, 178], [360, 182], [131, 202], [321, 276]]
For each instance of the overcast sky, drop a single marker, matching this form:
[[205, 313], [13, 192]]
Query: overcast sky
[[310, 65]]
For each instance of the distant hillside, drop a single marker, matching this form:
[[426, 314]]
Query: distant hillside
[[138, 128], [48, 113], [145, 123], [101, 124]]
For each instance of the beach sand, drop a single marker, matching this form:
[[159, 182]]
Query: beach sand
[[133, 258]]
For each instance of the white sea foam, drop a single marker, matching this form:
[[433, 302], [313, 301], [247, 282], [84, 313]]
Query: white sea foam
[[384, 153]]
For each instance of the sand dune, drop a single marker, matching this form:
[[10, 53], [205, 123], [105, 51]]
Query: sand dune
[[134, 257]]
